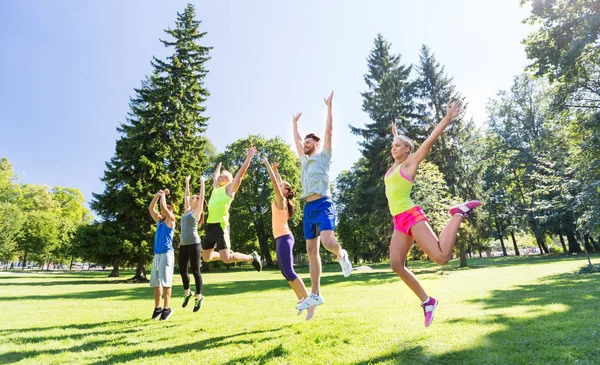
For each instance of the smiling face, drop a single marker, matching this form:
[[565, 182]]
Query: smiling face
[[224, 179], [310, 146], [400, 148]]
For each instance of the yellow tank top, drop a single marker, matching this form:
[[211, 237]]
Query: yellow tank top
[[218, 206], [280, 221], [397, 190]]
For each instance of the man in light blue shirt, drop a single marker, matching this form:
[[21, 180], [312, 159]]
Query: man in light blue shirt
[[319, 212]]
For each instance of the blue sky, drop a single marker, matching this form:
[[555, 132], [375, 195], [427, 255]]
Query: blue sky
[[68, 68]]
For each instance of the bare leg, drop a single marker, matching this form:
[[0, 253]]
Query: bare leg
[[399, 248], [330, 243], [314, 264], [299, 288], [167, 297], [439, 251], [210, 255], [227, 256], [157, 295]]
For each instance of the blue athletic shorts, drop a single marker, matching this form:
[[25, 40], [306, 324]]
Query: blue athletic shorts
[[319, 214]]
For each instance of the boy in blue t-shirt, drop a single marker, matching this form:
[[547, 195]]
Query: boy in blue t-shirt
[[161, 277]]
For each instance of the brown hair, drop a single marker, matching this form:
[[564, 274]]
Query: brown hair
[[290, 205], [204, 210], [313, 136]]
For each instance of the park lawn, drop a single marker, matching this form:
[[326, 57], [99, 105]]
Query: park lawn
[[519, 310]]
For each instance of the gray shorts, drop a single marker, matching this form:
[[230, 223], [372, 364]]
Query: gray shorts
[[163, 265]]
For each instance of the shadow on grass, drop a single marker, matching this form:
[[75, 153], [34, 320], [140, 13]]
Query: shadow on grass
[[558, 323], [75, 332], [240, 338], [120, 333]]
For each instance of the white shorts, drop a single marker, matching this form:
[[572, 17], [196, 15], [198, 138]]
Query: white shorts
[[163, 265]]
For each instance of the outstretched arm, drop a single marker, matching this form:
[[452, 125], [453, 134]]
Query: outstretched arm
[[186, 197], [200, 208], [275, 167], [237, 180], [452, 111], [329, 123], [163, 206], [276, 189], [152, 206], [297, 136], [216, 175], [394, 130]]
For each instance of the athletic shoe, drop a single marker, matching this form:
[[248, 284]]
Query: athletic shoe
[[428, 309], [465, 208], [310, 301], [198, 303], [166, 314], [256, 261], [157, 312], [345, 264], [187, 299]]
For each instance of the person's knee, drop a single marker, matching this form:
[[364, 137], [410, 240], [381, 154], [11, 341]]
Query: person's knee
[[312, 250], [227, 259], [398, 266], [289, 274], [328, 239], [441, 258]]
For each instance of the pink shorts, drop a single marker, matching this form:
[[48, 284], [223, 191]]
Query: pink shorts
[[405, 220]]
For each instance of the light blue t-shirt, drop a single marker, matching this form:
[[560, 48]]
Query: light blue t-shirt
[[163, 239], [315, 173]]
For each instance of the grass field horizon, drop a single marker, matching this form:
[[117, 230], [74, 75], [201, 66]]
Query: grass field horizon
[[514, 310]]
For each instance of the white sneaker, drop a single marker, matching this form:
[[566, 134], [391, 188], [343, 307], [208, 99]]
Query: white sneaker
[[345, 264], [311, 301]]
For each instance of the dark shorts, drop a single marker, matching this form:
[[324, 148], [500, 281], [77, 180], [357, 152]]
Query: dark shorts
[[216, 237], [318, 214]]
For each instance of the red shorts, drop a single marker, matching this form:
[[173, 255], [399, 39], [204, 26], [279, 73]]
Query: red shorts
[[405, 220]]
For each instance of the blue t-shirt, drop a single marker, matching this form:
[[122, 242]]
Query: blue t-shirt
[[163, 239]]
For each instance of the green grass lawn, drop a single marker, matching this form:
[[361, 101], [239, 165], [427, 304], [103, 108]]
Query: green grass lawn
[[528, 310]]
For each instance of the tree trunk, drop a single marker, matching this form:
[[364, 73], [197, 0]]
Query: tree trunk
[[540, 243], [49, 262], [140, 271], [24, 260], [263, 242], [512, 235], [115, 271], [71, 265], [579, 239], [463, 255], [499, 230], [593, 244], [503, 247], [574, 246], [562, 242]]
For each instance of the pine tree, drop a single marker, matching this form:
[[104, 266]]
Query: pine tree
[[390, 98], [162, 140]]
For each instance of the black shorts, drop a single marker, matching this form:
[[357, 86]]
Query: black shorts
[[216, 237]]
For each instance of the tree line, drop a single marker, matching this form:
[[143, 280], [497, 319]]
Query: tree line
[[534, 162]]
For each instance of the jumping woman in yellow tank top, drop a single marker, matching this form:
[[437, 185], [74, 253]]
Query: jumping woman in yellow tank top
[[217, 231], [410, 223]]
